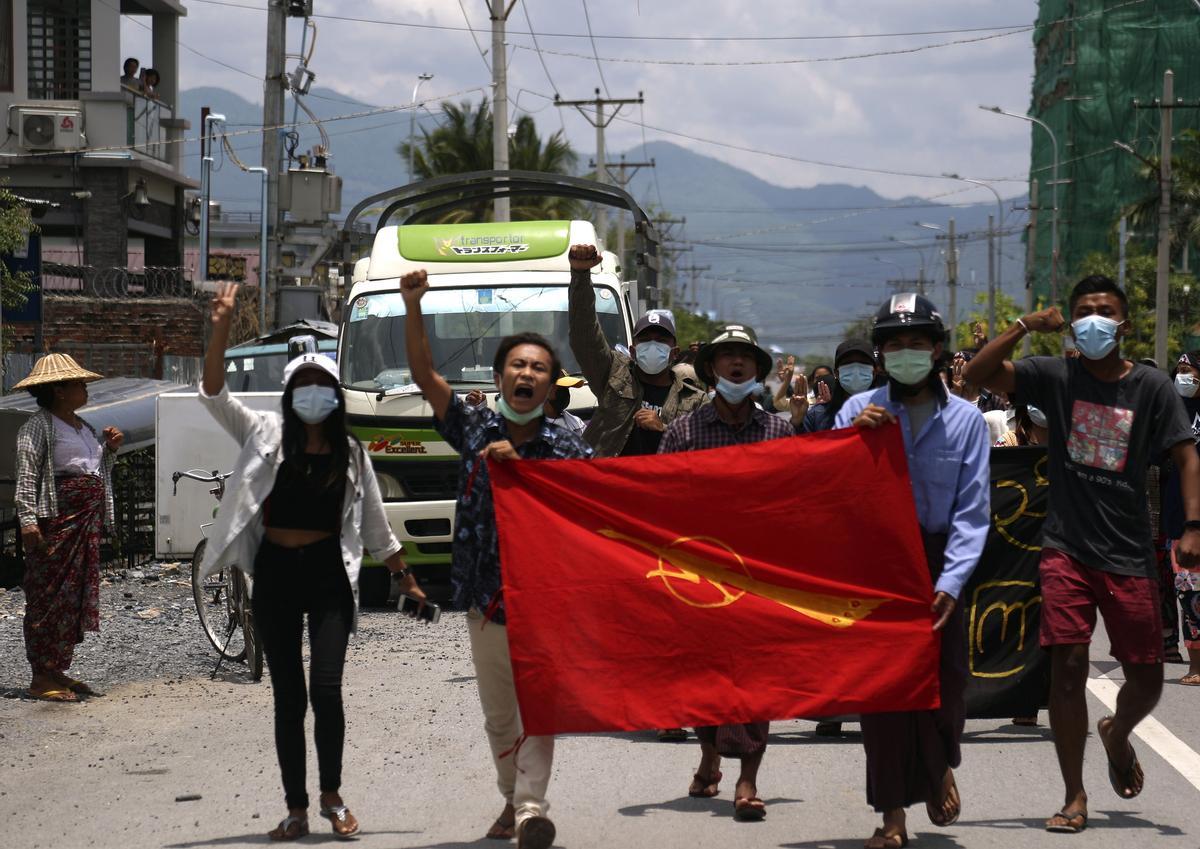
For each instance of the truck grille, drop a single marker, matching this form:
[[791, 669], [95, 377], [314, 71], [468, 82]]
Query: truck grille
[[423, 480]]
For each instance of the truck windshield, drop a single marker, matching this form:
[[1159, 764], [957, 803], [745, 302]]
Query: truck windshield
[[465, 327]]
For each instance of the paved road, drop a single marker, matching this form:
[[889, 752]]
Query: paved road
[[107, 773]]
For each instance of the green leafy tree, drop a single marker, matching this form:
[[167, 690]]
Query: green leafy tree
[[16, 223], [1185, 194], [463, 143]]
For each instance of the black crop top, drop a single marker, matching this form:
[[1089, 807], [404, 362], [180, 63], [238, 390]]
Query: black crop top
[[300, 499]]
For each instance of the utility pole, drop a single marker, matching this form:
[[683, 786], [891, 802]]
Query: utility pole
[[991, 294], [623, 178], [274, 91], [1122, 238], [499, 14], [693, 271], [1163, 275], [1030, 259], [599, 121], [952, 280]]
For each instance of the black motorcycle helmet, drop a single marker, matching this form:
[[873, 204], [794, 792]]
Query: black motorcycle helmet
[[907, 311]]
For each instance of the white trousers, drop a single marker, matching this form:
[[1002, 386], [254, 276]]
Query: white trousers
[[522, 765]]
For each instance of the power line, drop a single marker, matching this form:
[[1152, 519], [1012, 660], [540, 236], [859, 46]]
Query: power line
[[681, 38], [599, 68], [181, 43], [901, 51], [472, 30], [541, 58]]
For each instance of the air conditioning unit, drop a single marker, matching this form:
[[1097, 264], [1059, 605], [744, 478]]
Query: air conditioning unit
[[50, 129]]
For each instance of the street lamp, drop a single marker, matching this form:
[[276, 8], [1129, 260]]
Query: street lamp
[[412, 121], [1053, 190], [996, 261], [206, 164], [920, 249], [895, 264]]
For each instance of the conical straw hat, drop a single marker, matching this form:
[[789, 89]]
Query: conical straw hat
[[54, 368]]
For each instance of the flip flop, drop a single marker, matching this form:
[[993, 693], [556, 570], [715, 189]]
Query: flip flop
[[1131, 778], [284, 831], [672, 735], [936, 815], [1191, 680], [706, 781], [1067, 826], [82, 689], [749, 809], [887, 841], [501, 831], [54, 694], [339, 815]]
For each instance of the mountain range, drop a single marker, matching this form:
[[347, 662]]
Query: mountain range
[[798, 264]]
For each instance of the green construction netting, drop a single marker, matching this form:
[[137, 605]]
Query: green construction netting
[[1093, 58]]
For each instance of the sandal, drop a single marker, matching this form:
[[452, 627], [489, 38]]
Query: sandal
[[502, 830], [879, 840], [343, 822], [1128, 782], [81, 688], [749, 809], [1192, 679], [289, 828], [937, 815], [1064, 822], [672, 735], [54, 694], [708, 785]]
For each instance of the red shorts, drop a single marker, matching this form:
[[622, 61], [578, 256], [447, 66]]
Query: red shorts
[[1071, 593]]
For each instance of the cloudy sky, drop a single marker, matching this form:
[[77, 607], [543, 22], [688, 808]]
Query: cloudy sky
[[911, 110]]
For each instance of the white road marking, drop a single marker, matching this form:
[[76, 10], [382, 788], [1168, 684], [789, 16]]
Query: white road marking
[[1156, 735]]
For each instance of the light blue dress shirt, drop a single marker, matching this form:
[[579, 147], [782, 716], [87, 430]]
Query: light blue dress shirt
[[949, 466]]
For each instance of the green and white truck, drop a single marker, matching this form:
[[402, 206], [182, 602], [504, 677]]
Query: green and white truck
[[487, 280]]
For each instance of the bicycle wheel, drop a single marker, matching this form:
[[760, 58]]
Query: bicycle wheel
[[254, 649], [212, 599]]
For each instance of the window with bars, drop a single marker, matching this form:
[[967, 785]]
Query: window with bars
[[60, 49], [6, 45]]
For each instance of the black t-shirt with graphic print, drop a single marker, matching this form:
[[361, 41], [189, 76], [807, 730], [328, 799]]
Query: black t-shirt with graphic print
[[1102, 438], [642, 441]]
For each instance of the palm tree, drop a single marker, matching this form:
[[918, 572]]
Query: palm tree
[[463, 142], [1185, 194]]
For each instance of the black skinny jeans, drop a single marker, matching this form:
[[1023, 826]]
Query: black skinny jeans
[[288, 583]]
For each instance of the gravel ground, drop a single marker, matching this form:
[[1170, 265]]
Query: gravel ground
[[149, 630]]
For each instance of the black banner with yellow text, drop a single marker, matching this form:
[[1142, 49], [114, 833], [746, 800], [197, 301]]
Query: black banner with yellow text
[[1009, 674]]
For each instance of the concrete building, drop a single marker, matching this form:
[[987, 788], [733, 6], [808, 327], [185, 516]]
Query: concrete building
[[104, 148]]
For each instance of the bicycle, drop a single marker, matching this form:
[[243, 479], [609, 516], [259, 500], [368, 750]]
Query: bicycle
[[223, 598]]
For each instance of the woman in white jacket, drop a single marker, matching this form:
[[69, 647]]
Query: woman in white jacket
[[303, 507]]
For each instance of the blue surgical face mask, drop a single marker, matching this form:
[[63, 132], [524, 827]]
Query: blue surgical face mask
[[855, 377], [652, 357], [909, 366], [1185, 385], [736, 393], [1095, 336], [513, 416], [314, 403]]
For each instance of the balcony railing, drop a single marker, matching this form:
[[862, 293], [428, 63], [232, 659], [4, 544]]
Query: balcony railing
[[144, 130]]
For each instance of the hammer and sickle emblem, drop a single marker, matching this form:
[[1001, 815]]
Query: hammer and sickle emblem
[[733, 584]]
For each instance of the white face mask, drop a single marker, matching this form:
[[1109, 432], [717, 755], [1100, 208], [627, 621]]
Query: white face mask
[[856, 377], [736, 393], [1036, 416], [314, 403], [652, 357], [1186, 385]]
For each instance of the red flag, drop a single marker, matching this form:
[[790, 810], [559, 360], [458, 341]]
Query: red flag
[[770, 581]]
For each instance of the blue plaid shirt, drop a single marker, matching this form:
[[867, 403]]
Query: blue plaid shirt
[[475, 562]]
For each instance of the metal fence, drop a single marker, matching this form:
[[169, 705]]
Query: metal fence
[[126, 545]]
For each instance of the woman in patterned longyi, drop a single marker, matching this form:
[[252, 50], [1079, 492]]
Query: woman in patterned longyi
[[63, 498]]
